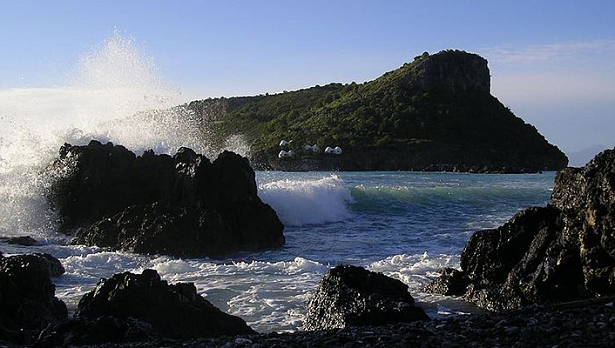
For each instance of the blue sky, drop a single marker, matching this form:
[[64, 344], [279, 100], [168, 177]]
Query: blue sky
[[552, 62]]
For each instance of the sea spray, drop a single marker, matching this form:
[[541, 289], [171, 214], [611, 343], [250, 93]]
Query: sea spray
[[114, 95]]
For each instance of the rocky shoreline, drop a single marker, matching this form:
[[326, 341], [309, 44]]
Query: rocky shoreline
[[547, 277], [588, 323]]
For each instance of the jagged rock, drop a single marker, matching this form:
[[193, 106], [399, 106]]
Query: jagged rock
[[27, 296], [354, 296], [562, 252], [451, 282], [174, 311], [183, 205]]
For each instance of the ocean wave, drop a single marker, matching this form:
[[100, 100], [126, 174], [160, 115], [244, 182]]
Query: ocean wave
[[301, 202]]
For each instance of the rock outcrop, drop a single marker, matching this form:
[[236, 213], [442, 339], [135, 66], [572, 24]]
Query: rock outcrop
[[353, 296], [27, 296], [176, 311], [183, 205], [562, 252], [132, 307]]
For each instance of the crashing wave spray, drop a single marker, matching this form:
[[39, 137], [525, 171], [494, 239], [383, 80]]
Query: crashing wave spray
[[114, 95]]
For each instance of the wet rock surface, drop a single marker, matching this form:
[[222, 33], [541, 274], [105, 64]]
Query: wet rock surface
[[183, 205], [580, 324], [562, 252], [353, 296], [27, 296]]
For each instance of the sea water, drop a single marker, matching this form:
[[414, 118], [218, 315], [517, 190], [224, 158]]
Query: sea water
[[405, 224]]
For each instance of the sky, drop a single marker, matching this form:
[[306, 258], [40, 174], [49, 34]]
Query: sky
[[552, 62]]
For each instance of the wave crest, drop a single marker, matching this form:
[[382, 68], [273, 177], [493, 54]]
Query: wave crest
[[309, 201]]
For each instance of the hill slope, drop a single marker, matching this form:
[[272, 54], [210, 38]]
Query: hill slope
[[435, 113]]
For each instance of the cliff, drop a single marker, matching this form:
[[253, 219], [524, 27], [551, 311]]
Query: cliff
[[435, 113]]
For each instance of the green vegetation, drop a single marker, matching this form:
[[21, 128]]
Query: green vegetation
[[438, 101]]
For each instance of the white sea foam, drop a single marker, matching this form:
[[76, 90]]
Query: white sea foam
[[308, 201], [417, 271], [270, 296]]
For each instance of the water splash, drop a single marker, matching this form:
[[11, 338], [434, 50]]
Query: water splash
[[114, 94]]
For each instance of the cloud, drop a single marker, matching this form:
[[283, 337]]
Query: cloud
[[547, 52]]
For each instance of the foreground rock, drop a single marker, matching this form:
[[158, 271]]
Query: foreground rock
[[27, 296], [136, 307], [585, 324], [562, 252], [183, 205], [353, 296]]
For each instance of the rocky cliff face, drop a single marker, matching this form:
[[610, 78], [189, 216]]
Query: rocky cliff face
[[452, 71], [562, 252], [183, 205]]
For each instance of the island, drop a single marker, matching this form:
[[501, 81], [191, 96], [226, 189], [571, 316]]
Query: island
[[433, 114]]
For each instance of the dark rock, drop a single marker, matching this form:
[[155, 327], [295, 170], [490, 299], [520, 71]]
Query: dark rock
[[55, 266], [174, 311], [27, 301], [156, 204], [562, 252], [588, 323], [354, 296], [452, 71], [586, 197], [105, 329], [22, 240], [451, 282]]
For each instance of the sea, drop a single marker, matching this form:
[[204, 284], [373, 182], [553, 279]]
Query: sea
[[407, 225]]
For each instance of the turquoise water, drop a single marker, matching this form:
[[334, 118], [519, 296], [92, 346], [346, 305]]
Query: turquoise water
[[368, 216]]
